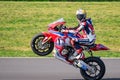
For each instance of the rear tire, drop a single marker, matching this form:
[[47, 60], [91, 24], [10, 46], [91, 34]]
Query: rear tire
[[38, 48], [98, 66]]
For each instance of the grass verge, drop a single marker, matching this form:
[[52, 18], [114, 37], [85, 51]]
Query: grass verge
[[20, 21]]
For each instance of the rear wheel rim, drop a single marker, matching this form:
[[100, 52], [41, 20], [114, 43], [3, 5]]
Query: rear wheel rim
[[96, 68]]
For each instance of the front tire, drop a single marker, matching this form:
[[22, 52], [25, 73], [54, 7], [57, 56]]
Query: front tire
[[98, 66], [39, 48]]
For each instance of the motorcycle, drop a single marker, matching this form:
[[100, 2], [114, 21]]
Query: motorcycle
[[42, 44]]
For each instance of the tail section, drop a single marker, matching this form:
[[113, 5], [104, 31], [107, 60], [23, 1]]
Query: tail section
[[99, 47]]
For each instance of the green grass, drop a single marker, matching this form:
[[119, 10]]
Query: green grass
[[20, 21]]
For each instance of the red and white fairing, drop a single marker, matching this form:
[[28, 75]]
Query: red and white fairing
[[49, 35], [56, 23], [99, 47]]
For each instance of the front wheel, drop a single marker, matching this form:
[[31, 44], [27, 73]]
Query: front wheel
[[39, 48], [98, 66]]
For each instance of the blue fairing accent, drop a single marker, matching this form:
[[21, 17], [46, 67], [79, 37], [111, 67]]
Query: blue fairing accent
[[61, 34], [72, 35], [57, 33]]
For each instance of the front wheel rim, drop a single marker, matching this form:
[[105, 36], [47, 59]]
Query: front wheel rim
[[41, 47]]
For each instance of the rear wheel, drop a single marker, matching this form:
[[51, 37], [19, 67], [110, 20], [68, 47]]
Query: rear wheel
[[98, 66], [39, 48]]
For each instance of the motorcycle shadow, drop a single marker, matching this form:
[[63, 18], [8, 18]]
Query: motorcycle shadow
[[111, 79], [102, 79], [72, 79]]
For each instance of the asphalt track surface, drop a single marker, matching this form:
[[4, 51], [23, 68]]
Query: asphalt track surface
[[49, 69]]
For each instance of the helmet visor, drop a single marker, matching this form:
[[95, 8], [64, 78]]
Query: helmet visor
[[81, 16]]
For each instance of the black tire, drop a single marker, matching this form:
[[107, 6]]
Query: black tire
[[39, 50], [99, 66]]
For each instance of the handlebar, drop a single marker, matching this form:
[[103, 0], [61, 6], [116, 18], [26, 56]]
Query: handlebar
[[61, 27]]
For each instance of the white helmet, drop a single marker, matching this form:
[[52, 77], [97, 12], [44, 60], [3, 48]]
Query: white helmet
[[81, 14]]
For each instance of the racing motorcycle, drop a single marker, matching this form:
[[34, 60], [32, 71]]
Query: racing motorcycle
[[43, 44]]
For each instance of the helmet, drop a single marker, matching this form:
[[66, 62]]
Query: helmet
[[81, 14]]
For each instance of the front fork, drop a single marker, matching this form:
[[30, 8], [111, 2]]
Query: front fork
[[46, 39]]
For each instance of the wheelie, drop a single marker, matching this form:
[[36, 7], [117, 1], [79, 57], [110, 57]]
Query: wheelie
[[69, 45]]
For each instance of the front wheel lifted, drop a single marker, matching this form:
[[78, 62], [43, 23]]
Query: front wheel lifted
[[39, 48], [98, 66]]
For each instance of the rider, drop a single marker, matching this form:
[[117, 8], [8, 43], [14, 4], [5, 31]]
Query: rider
[[87, 38]]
